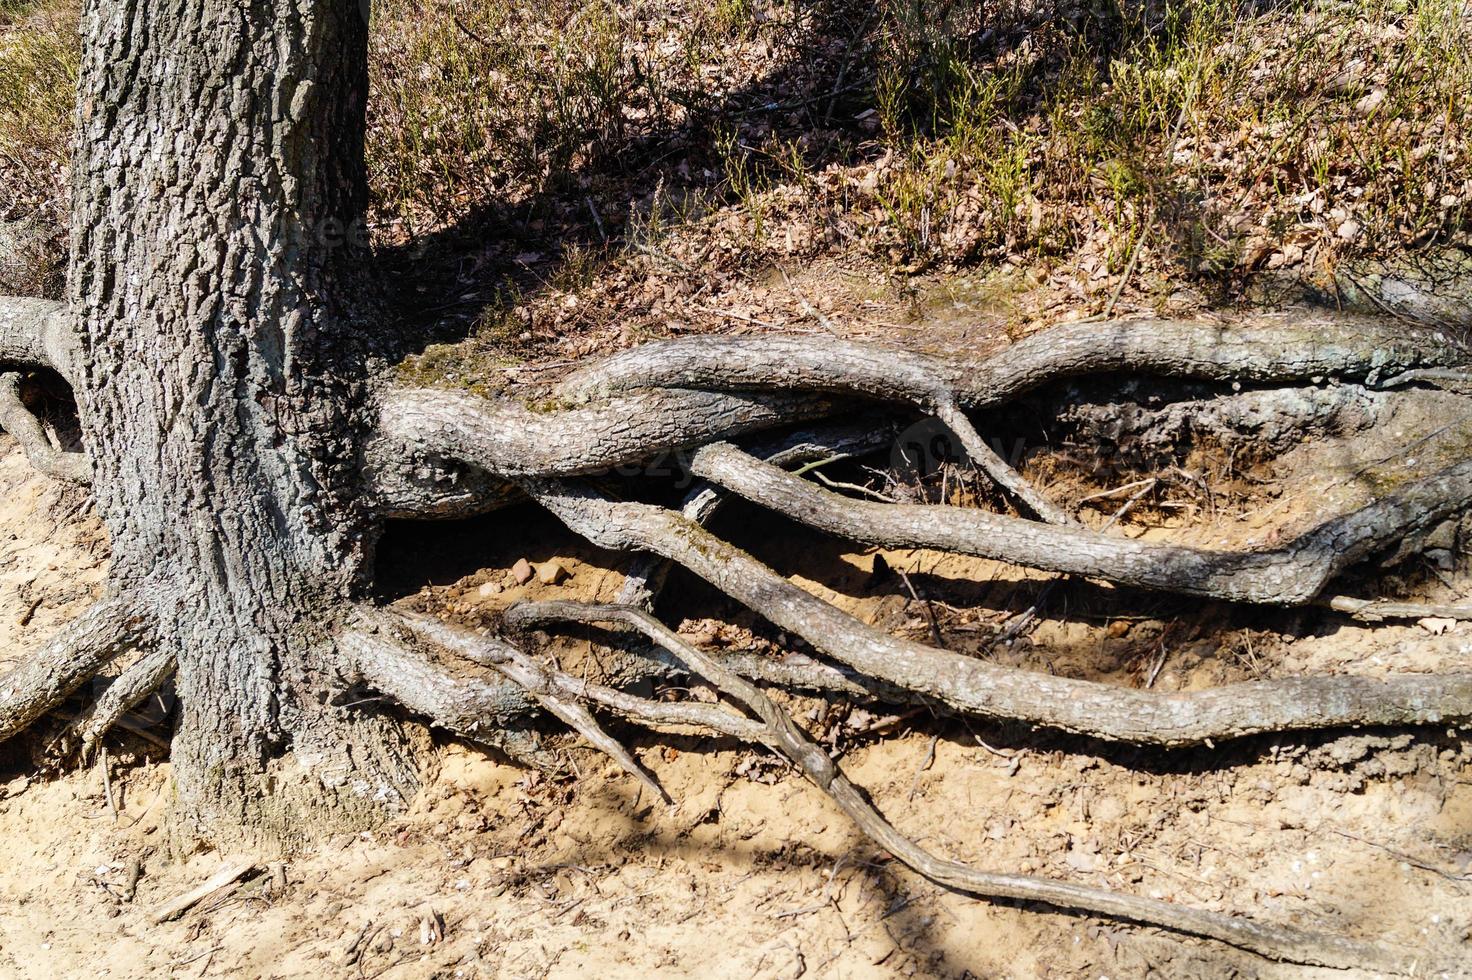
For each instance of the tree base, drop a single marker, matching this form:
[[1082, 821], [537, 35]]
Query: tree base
[[341, 778]]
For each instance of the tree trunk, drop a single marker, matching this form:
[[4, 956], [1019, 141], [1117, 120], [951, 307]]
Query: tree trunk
[[218, 200]]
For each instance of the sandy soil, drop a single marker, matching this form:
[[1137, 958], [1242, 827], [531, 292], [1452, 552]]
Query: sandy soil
[[497, 871]]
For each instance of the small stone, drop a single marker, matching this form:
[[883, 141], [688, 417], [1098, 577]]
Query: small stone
[[551, 572], [490, 589], [522, 571], [1370, 102]]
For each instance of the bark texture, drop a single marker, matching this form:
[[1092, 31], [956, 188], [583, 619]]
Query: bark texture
[[219, 187]]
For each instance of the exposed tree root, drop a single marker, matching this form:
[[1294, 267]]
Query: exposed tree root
[[490, 651], [417, 461], [1380, 610], [645, 577], [35, 333], [494, 712], [781, 733], [800, 365], [1084, 707], [141, 678], [1000, 471], [1291, 347], [527, 674], [1289, 575], [419, 427], [70, 659], [444, 453], [1427, 374], [942, 387], [16, 419]]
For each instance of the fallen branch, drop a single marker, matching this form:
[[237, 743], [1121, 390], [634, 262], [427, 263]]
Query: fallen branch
[[1085, 707], [229, 873], [783, 734]]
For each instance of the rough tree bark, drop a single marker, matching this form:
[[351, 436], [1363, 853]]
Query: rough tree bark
[[218, 192]]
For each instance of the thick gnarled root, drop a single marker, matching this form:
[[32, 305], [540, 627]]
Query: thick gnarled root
[[73, 657], [1289, 575], [419, 430], [973, 686], [36, 333], [495, 712], [1277, 349]]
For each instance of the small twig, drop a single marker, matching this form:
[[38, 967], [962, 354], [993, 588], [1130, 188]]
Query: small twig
[[1378, 610], [854, 488], [231, 872], [1126, 488], [1129, 504], [929, 612], [1156, 666], [1009, 756], [735, 316], [929, 761], [29, 613], [1425, 374], [465, 29], [1129, 271], [112, 805], [175, 964], [1410, 859], [597, 220]]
